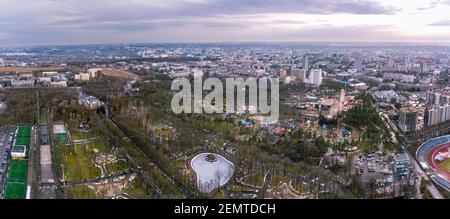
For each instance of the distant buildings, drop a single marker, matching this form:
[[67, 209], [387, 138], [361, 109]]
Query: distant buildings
[[358, 63], [438, 107], [299, 73], [438, 96], [423, 66], [437, 114], [94, 72], [306, 64], [49, 73], [404, 78], [26, 83], [289, 79], [90, 74], [386, 96]]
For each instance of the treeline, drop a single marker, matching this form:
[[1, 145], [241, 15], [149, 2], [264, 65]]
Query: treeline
[[21, 107], [364, 115]]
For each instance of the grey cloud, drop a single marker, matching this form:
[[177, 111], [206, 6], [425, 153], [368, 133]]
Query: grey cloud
[[295, 6], [440, 23], [430, 6]]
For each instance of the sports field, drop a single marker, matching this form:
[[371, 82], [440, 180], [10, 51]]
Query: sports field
[[445, 165], [25, 141], [16, 186], [24, 131], [61, 138], [15, 191], [23, 135], [18, 171]]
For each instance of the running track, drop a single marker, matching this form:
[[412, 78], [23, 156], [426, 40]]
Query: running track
[[429, 157]]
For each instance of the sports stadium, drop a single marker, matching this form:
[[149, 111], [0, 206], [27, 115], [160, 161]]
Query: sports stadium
[[434, 157]]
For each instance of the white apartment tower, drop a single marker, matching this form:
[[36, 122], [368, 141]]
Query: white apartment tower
[[315, 77]]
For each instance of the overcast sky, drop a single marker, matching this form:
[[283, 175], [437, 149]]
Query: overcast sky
[[40, 22]]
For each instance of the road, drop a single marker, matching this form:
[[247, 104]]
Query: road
[[4, 141], [3, 169], [431, 187], [31, 164]]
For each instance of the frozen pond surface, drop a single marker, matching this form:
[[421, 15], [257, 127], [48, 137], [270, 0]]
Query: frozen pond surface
[[212, 170]]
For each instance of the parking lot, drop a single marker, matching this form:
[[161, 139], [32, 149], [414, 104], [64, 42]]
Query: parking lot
[[372, 163], [6, 140]]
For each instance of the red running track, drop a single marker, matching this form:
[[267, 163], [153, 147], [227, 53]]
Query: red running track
[[434, 165]]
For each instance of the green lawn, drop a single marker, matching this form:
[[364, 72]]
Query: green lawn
[[76, 135], [136, 190], [118, 166], [445, 165], [81, 192], [78, 160], [255, 179]]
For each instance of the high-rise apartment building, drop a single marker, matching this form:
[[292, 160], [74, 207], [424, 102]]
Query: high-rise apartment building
[[408, 119]]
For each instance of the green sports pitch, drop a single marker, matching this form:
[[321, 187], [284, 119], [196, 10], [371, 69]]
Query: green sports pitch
[[18, 171], [17, 178], [25, 141], [445, 165], [15, 191], [24, 131], [23, 136]]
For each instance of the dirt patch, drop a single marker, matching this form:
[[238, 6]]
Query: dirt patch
[[112, 72]]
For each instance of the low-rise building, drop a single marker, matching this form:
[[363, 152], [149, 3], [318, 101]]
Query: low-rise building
[[402, 165], [18, 152]]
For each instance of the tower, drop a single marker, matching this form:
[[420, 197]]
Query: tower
[[306, 65]]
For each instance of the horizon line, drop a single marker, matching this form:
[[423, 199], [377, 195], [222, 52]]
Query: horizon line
[[411, 43]]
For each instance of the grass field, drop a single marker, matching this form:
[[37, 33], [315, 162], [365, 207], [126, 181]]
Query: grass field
[[78, 160], [61, 138], [18, 171], [17, 178], [445, 165], [24, 140], [15, 191], [81, 192], [24, 131], [77, 135], [23, 135], [118, 166]]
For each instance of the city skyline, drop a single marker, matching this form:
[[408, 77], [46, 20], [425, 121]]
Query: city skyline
[[49, 22]]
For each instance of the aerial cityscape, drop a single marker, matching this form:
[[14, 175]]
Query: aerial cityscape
[[359, 109]]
